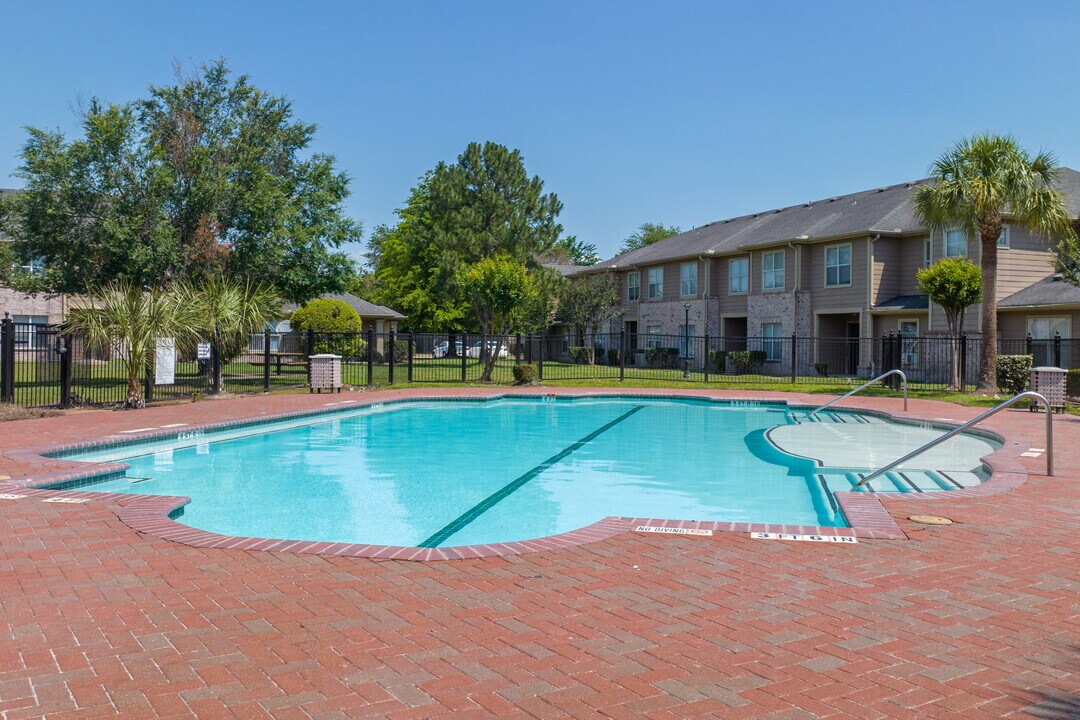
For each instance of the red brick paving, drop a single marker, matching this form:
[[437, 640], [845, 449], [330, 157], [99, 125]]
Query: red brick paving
[[977, 619]]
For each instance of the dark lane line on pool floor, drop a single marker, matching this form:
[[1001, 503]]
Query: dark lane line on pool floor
[[502, 493]]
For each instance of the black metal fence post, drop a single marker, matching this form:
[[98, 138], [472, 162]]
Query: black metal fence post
[[1057, 350], [148, 385], [390, 358], [622, 355], [310, 352], [517, 350], [412, 345], [7, 359], [963, 361], [708, 360], [1027, 345], [66, 365], [540, 359], [793, 358], [371, 357], [215, 367], [464, 356], [266, 361]]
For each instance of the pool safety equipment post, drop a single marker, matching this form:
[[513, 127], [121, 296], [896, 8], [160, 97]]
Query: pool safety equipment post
[[686, 343]]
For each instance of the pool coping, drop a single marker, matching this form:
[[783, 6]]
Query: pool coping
[[866, 513]]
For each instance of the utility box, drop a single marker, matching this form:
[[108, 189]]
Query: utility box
[[1050, 383], [324, 373]]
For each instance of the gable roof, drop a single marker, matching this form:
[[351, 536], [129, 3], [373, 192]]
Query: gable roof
[[362, 307], [886, 210], [1051, 290]]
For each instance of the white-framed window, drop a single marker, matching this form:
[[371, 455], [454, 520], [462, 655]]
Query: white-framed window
[[1046, 351], [772, 270], [1003, 237], [26, 334], [927, 253], [566, 341], [838, 266], [633, 286], [36, 266], [909, 341], [656, 283], [1045, 328], [688, 279], [652, 336], [738, 276], [772, 341], [686, 340], [955, 243]]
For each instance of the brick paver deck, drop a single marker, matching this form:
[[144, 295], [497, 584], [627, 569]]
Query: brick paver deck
[[976, 619]]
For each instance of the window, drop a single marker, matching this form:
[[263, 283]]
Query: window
[[1043, 347], [688, 279], [772, 338], [566, 341], [36, 266], [772, 270], [633, 286], [687, 333], [26, 332], [955, 243], [909, 342], [1003, 238], [656, 283], [926, 253], [838, 266], [738, 276], [652, 336]]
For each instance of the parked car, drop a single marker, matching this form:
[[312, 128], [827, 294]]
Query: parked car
[[443, 349], [503, 348]]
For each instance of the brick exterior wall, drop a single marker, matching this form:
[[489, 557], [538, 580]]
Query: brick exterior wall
[[15, 303]]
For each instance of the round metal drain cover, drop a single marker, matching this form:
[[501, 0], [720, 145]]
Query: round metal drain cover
[[930, 520]]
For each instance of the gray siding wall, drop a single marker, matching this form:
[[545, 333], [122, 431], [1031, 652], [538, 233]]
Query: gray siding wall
[[843, 298]]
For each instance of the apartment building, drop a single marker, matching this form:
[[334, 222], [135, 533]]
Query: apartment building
[[839, 267]]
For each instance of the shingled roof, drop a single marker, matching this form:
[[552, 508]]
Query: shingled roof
[[1051, 290], [886, 210], [362, 307]]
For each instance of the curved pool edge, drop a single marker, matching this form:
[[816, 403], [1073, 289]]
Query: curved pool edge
[[866, 513]]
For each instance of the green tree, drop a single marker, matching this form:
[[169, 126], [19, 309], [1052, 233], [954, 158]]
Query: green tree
[[647, 234], [955, 284], [127, 320], [587, 302], [230, 310], [482, 206], [502, 293], [974, 186], [208, 175], [571, 251], [336, 324]]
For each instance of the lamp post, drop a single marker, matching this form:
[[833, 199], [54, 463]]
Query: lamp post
[[686, 343]]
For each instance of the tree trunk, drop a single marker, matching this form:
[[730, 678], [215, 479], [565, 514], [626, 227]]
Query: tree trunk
[[134, 390], [490, 358], [988, 346], [954, 352]]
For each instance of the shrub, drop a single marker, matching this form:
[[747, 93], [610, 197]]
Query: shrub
[[822, 369], [1072, 383], [336, 325], [1013, 372], [662, 357], [613, 356], [580, 355], [401, 350], [747, 362], [524, 374], [718, 358]]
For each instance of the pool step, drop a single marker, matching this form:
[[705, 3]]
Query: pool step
[[840, 418], [899, 481]]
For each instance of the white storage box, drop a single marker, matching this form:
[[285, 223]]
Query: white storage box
[[1050, 383], [325, 372]]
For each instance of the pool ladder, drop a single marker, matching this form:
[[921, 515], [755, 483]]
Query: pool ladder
[[868, 383], [975, 421]]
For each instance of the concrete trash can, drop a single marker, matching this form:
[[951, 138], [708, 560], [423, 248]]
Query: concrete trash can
[[1050, 383], [324, 373]]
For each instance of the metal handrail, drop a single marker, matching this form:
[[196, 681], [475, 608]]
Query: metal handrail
[[955, 431], [865, 384]]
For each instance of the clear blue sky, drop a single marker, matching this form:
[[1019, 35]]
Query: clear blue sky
[[680, 113]]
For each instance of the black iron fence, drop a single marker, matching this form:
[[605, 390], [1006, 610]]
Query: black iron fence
[[41, 365]]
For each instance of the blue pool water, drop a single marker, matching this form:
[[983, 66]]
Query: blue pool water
[[455, 473]]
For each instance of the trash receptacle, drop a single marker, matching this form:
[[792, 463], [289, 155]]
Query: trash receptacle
[[1050, 383], [325, 373]]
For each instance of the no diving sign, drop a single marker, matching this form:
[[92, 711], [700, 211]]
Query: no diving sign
[[672, 530]]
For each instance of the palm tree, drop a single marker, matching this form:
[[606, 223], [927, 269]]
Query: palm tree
[[229, 311], [976, 185], [129, 320]]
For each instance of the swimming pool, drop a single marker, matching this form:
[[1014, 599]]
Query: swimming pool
[[447, 473]]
